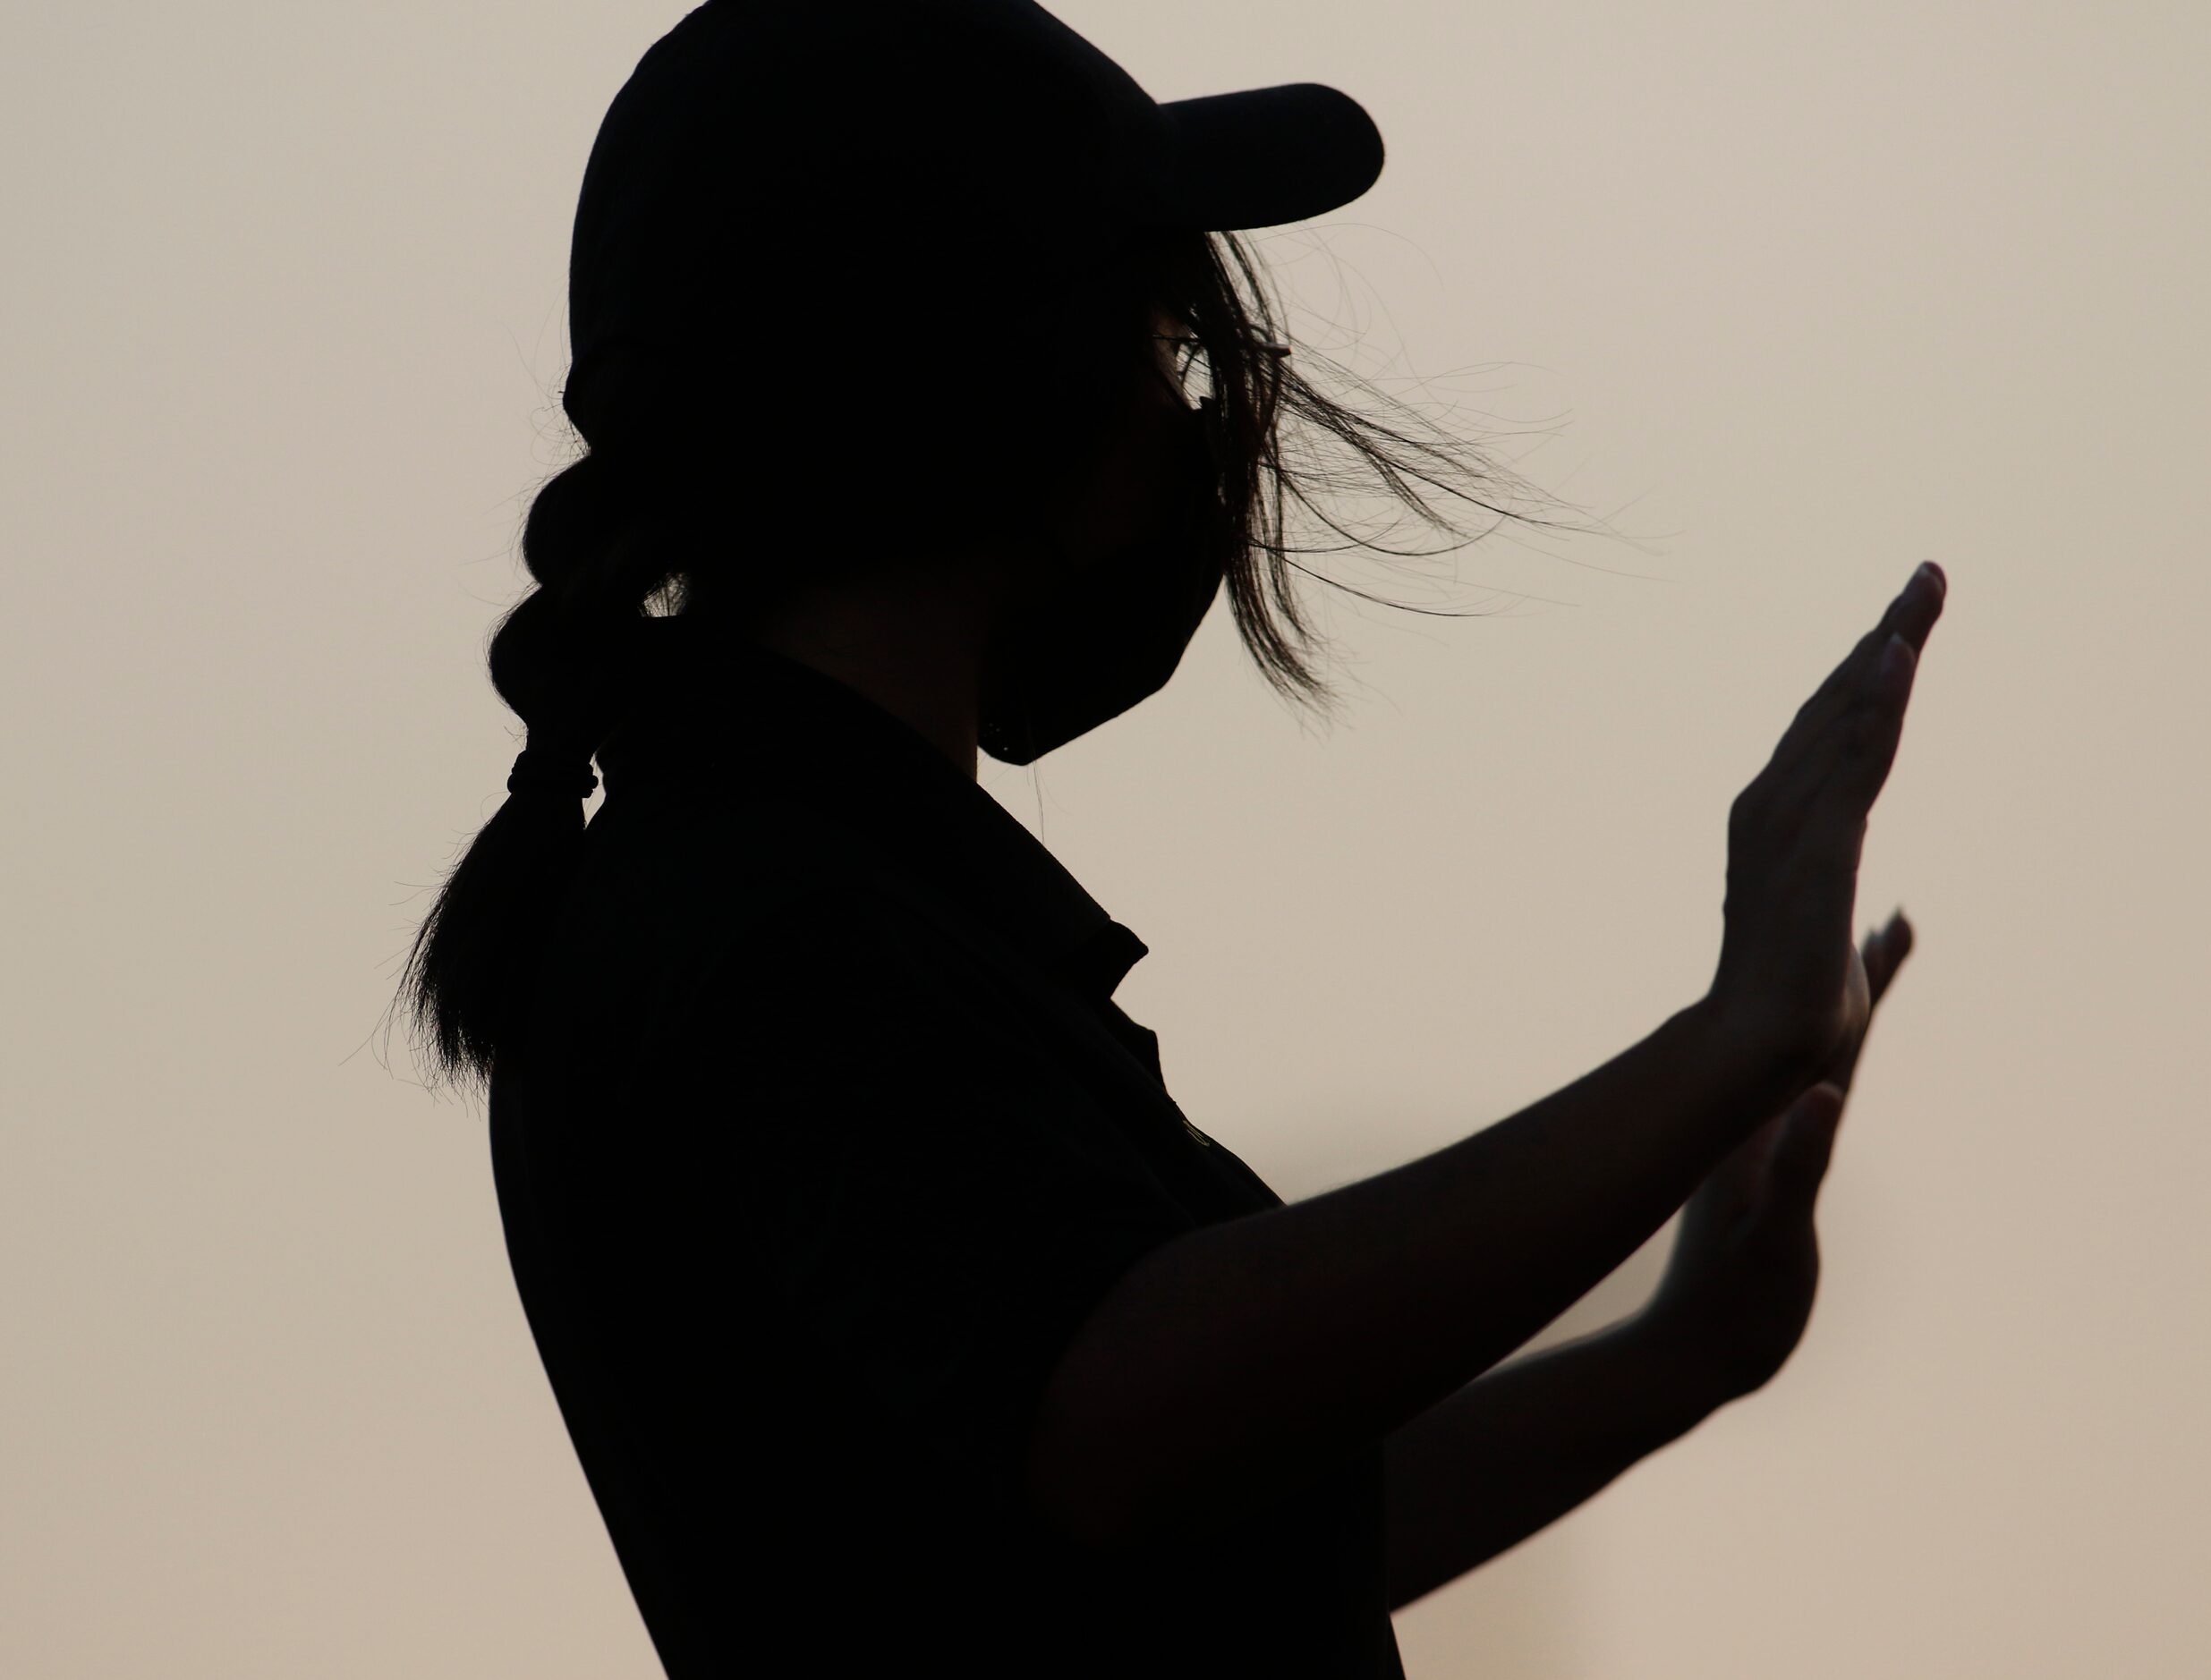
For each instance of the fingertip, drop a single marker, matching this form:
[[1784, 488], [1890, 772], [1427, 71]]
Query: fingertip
[[1895, 662]]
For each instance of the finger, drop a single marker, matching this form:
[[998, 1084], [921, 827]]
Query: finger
[[1739, 1182], [1911, 615], [1807, 1146], [1828, 792], [1877, 955], [1885, 951], [1915, 611], [1865, 744]]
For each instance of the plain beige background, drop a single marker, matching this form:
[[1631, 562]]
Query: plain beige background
[[1795, 295]]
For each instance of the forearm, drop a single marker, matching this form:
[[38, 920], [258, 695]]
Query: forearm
[[1515, 1450], [1237, 1357]]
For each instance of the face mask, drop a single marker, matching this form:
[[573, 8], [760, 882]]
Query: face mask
[[1088, 648]]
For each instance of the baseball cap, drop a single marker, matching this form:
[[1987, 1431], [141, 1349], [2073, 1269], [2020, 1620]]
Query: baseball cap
[[772, 165]]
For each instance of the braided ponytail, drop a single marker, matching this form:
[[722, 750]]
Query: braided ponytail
[[561, 661]]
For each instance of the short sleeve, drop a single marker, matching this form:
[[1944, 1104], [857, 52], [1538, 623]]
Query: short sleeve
[[936, 1202]]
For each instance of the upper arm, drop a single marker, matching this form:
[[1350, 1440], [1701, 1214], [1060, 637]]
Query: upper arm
[[922, 1188]]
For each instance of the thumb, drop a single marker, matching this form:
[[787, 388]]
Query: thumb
[[1807, 1142]]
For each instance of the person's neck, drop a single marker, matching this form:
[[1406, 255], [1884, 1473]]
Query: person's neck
[[914, 650]]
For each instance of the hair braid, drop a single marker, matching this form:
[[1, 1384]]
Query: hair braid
[[561, 661]]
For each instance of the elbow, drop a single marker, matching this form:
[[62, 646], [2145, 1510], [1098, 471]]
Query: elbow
[[1099, 1465], [1073, 1493]]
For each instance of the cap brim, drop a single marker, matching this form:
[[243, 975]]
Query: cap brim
[[1266, 156]]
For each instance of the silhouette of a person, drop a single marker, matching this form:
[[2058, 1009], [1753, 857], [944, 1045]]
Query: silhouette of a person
[[896, 1310]]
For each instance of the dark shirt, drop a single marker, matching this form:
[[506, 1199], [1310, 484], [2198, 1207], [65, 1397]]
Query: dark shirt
[[824, 1138]]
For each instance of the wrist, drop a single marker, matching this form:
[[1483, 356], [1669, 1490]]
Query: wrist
[[1749, 1053], [1685, 1385]]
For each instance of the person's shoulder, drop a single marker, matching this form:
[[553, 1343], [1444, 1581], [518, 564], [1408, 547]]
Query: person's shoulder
[[669, 883], [684, 886], [703, 850]]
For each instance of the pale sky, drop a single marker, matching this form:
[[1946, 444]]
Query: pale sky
[[1795, 296]]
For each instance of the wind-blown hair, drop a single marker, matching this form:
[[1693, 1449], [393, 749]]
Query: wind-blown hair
[[680, 525]]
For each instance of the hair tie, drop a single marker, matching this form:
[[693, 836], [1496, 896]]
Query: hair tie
[[563, 769]]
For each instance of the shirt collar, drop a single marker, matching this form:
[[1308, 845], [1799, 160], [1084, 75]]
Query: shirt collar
[[714, 704]]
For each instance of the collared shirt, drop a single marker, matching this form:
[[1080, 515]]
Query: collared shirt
[[824, 1138]]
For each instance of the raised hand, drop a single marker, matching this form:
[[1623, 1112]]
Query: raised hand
[[1791, 983]]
